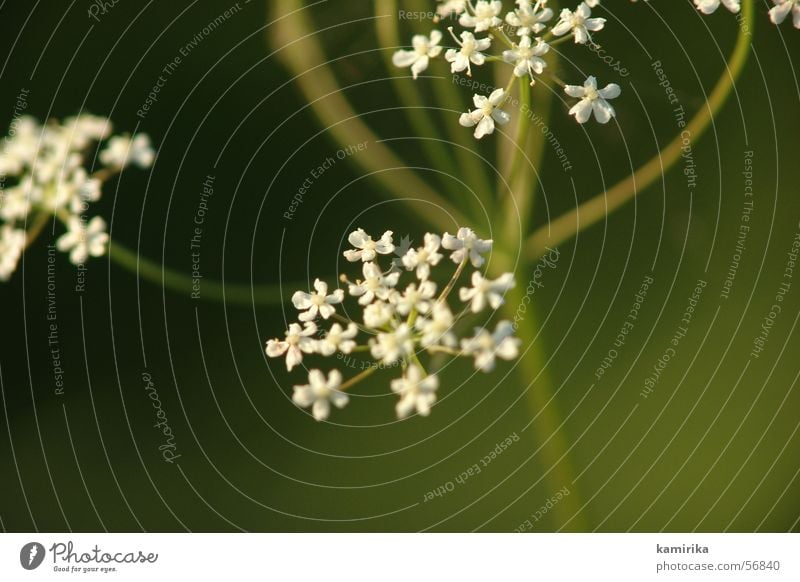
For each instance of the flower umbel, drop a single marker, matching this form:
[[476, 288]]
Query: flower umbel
[[401, 325], [47, 175]]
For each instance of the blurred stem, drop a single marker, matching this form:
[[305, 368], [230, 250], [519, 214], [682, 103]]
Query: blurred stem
[[415, 109], [469, 162], [569, 224], [547, 428], [357, 378], [37, 226], [295, 40], [184, 284]]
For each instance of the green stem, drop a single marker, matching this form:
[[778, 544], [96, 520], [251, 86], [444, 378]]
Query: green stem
[[548, 432], [297, 44], [569, 224], [184, 284], [356, 379], [37, 226], [416, 111], [446, 291]]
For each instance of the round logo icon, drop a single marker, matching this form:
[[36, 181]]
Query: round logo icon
[[31, 555]]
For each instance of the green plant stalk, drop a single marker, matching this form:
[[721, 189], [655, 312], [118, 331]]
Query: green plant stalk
[[547, 429], [295, 39], [594, 210], [469, 163], [418, 115], [184, 284]]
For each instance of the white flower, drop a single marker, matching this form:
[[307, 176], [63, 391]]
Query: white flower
[[486, 347], [84, 241], [12, 243], [14, 204], [319, 302], [418, 58], [466, 244], [425, 257], [298, 341], [338, 338], [592, 99], [529, 19], [437, 328], [709, 6], [417, 298], [526, 57], [378, 314], [485, 16], [320, 393], [394, 345], [486, 291], [366, 248], [448, 7], [578, 22], [375, 284], [416, 392], [778, 13], [486, 114], [122, 150], [468, 53]]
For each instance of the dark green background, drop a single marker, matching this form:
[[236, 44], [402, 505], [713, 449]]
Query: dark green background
[[250, 459]]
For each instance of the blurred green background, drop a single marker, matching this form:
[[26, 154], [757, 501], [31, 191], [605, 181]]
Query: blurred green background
[[713, 448]]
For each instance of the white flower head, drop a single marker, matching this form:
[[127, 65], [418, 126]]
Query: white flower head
[[391, 346], [416, 392], [470, 52], [579, 22], [298, 341], [709, 6], [485, 16], [122, 150], [425, 48], [486, 113], [376, 283], [320, 393], [338, 338], [415, 297], [425, 257], [366, 248], [527, 57], [529, 18], [466, 244], [486, 347], [319, 302], [485, 291], [83, 241], [592, 99], [437, 327], [12, 243], [780, 11]]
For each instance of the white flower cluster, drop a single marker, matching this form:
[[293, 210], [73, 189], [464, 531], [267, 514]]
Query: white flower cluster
[[399, 322], [777, 14], [527, 32], [46, 166]]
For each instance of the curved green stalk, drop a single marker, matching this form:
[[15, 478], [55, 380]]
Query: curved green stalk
[[547, 429], [297, 45], [184, 284], [468, 161], [569, 224], [417, 114]]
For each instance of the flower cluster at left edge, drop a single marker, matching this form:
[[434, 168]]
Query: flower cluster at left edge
[[46, 174]]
